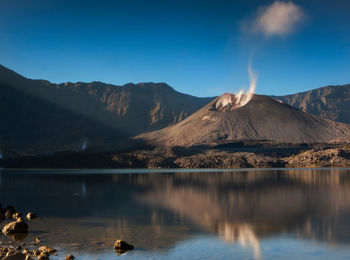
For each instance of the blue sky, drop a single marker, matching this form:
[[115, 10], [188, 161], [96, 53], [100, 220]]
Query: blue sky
[[197, 47]]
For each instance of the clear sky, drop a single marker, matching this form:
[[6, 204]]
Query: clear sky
[[197, 47]]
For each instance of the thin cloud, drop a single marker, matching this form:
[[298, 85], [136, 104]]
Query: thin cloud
[[278, 19]]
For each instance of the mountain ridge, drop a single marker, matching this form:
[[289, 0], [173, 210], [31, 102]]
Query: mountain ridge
[[40, 116], [330, 102], [64, 114]]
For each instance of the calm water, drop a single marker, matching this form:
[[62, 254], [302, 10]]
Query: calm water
[[250, 214]]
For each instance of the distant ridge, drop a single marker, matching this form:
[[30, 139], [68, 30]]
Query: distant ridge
[[331, 102]]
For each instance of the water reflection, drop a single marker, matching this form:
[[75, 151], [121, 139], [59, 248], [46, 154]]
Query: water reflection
[[156, 211], [243, 207]]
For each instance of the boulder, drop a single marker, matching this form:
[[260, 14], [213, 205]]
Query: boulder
[[69, 257], [18, 226]]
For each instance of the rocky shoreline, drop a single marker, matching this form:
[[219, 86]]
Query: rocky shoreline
[[263, 155], [16, 230], [12, 246], [312, 158]]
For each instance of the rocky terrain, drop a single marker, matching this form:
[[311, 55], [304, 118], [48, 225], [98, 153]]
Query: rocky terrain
[[256, 156], [218, 158]]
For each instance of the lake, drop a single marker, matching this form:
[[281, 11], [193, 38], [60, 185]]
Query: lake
[[188, 214]]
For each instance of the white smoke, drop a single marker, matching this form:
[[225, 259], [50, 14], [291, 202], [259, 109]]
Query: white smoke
[[241, 98], [225, 100], [244, 98], [278, 19]]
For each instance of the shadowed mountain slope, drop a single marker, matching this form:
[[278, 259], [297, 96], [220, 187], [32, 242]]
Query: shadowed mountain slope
[[38, 116], [261, 119], [141, 107]]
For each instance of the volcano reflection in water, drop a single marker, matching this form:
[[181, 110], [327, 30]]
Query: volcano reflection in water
[[86, 213]]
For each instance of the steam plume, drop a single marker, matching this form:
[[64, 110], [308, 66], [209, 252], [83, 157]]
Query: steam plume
[[241, 98]]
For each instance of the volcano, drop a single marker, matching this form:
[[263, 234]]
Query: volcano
[[262, 119]]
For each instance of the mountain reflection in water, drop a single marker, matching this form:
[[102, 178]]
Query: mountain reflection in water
[[156, 211]]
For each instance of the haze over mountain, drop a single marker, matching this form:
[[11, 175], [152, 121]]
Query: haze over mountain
[[37, 115], [331, 102], [262, 119]]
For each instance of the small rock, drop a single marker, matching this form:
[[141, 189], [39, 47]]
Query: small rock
[[10, 210], [16, 215], [14, 227], [37, 241], [46, 249], [44, 256], [122, 246], [69, 257], [31, 215], [36, 252]]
